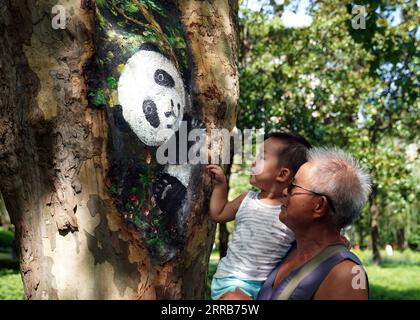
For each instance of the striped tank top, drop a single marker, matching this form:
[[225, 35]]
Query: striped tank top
[[259, 241]]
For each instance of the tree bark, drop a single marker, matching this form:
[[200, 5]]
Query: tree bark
[[361, 234], [212, 32], [223, 240], [401, 242], [374, 229], [73, 240], [223, 231], [361, 238]]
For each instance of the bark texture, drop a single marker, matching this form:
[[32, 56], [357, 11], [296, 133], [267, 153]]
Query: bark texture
[[73, 241]]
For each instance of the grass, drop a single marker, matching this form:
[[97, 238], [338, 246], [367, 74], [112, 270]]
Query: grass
[[214, 260], [398, 276], [11, 287], [394, 282]]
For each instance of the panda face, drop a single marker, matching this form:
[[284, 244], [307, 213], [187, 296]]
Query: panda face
[[152, 95]]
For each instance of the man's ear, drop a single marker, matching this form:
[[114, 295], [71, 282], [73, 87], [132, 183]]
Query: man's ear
[[284, 175], [321, 207]]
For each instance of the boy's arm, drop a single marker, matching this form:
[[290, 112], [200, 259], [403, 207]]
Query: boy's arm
[[222, 210]]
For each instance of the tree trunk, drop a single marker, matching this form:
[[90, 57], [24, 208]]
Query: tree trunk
[[361, 234], [88, 225], [374, 231], [223, 231], [223, 240], [401, 239]]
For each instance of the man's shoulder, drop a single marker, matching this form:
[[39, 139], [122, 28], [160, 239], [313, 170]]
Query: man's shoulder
[[339, 282]]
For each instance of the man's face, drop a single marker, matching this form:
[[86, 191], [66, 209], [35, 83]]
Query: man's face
[[298, 206], [267, 167]]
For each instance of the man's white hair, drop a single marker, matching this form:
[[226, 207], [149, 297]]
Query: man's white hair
[[340, 177]]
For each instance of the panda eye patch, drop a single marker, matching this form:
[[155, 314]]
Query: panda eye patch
[[150, 111], [164, 79]]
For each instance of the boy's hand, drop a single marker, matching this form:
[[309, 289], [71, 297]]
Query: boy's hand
[[218, 174]]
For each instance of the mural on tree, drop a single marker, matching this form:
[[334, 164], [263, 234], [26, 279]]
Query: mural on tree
[[140, 74]]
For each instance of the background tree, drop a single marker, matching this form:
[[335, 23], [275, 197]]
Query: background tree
[[56, 155]]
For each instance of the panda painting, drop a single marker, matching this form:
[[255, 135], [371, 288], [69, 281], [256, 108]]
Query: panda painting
[[152, 104], [152, 95], [140, 76]]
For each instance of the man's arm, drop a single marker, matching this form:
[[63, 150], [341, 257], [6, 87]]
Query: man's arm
[[221, 210], [346, 281]]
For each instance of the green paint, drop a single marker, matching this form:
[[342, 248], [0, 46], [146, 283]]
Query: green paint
[[131, 8], [121, 29], [112, 83], [98, 98]]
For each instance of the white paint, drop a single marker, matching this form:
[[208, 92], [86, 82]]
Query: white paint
[[137, 84], [180, 171]]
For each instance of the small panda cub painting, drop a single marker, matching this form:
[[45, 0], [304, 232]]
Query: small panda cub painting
[[152, 95]]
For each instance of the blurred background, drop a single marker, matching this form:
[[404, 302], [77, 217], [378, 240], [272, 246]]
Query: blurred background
[[341, 73], [346, 74]]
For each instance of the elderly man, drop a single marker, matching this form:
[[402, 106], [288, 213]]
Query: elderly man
[[327, 194]]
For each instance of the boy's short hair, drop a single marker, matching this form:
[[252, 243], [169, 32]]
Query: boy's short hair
[[295, 151]]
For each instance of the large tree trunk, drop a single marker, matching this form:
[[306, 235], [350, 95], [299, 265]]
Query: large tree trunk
[[58, 151]]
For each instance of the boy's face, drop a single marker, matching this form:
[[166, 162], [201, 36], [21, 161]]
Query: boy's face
[[267, 167]]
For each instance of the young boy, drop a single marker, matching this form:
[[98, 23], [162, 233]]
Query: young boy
[[259, 240]]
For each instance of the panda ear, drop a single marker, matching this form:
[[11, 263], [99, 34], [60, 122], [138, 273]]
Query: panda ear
[[148, 46], [119, 120]]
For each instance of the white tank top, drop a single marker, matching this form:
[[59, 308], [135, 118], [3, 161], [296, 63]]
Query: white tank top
[[260, 240]]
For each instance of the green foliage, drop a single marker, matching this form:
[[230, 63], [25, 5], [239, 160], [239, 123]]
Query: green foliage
[[406, 258], [6, 240], [97, 98], [11, 287], [356, 89], [414, 238], [112, 83]]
